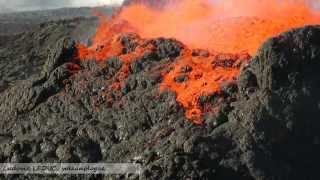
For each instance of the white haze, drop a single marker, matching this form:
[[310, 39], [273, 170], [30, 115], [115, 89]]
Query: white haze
[[28, 5]]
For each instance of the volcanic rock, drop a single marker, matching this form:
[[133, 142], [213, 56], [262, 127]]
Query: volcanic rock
[[64, 111], [277, 124]]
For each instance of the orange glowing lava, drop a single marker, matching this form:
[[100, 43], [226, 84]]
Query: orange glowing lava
[[202, 76], [228, 26], [220, 26]]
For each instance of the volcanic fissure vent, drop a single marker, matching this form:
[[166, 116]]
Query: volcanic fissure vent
[[217, 41]]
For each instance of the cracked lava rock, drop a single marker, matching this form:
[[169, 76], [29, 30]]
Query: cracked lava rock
[[263, 124]]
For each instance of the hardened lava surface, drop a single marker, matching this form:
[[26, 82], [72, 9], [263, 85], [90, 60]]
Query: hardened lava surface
[[68, 110]]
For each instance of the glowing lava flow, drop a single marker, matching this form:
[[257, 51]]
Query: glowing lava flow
[[202, 76], [228, 26], [232, 26]]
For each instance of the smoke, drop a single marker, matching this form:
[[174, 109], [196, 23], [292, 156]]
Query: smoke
[[27, 5], [95, 2], [220, 25]]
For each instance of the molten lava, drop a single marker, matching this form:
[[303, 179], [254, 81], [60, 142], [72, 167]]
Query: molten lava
[[228, 26], [233, 28], [199, 75]]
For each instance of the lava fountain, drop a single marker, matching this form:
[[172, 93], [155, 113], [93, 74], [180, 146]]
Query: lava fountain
[[231, 30]]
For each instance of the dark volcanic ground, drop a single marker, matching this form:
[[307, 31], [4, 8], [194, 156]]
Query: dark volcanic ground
[[11, 23], [56, 110]]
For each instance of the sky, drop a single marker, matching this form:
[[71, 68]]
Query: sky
[[27, 5]]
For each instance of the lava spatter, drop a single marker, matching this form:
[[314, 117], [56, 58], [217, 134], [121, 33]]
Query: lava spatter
[[195, 75], [230, 32], [229, 26]]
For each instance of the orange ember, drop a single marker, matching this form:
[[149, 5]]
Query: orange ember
[[223, 27]]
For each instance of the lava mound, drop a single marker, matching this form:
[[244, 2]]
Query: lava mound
[[277, 114], [261, 125]]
